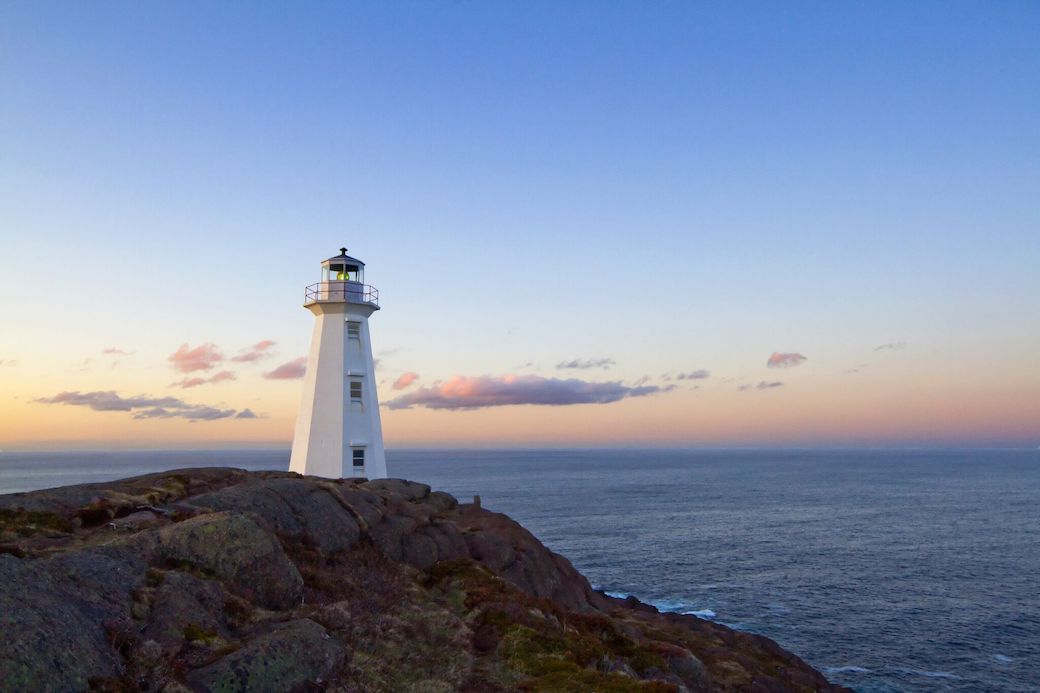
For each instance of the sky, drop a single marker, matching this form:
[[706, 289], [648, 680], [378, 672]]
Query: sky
[[591, 224]]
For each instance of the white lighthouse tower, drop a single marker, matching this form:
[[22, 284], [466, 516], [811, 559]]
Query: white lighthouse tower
[[338, 432]]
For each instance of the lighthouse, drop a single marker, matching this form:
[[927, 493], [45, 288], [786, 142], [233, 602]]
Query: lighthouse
[[338, 432]]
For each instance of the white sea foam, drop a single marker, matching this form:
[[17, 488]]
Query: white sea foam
[[617, 595], [932, 674], [847, 670], [1003, 659], [668, 605]]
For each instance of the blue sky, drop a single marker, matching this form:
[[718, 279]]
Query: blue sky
[[673, 186]]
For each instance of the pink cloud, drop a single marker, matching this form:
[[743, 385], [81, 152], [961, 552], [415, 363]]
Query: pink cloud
[[288, 371], [405, 380], [222, 376], [201, 358], [258, 351], [784, 360], [113, 351], [196, 381], [464, 392]]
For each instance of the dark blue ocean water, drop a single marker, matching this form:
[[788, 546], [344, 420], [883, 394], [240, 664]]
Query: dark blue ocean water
[[889, 571]]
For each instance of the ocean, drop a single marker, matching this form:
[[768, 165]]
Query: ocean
[[889, 571]]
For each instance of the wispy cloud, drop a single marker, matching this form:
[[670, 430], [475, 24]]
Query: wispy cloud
[[585, 364], [762, 385], [201, 358], [256, 352], [405, 379], [7, 362], [893, 346], [196, 381], [247, 413], [694, 375], [784, 360], [464, 392], [141, 406], [289, 370], [113, 351]]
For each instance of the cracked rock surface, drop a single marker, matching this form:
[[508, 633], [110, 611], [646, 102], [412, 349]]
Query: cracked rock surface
[[220, 579]]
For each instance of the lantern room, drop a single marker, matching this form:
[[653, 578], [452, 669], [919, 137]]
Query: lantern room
[[343, 268], [342, 280]]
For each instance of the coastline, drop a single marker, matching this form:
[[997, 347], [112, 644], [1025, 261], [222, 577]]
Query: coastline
[[275, 542]]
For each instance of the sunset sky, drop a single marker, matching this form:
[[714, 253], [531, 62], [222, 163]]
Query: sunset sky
[[591, 224]]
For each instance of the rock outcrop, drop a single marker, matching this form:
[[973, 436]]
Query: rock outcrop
[[225, 580]]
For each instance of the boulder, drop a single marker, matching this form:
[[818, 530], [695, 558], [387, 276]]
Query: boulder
[[287, 657], [52, 616], [235, 549]]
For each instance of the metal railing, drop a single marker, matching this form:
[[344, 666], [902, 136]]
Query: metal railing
[[351, 292]]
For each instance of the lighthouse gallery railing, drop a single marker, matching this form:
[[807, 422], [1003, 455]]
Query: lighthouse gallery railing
[[352, 292]]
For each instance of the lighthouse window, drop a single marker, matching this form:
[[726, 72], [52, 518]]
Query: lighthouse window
[[355, 390], [359, 457], [354, 330]]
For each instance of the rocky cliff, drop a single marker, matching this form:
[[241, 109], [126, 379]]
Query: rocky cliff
[[226, 580]]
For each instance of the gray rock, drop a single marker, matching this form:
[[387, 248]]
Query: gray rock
[[237, 550], [408, 490], [285, 658], [52, 616], [259, 501], [183, 600], [327, 524], [691, 670]]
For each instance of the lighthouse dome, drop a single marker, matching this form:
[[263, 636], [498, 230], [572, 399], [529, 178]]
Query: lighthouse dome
[[344, 259]]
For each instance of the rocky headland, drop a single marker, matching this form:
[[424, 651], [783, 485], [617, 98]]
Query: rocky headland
[[225, 580]]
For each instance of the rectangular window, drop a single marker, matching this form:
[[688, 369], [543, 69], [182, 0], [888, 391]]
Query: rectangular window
[[354, 336], [355, 391], [359, 457]]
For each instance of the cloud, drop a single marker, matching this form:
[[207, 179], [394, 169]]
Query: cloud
[[289, 370], [191, 413], [464, 392], [201, 358], [762, 385], [784, 360], [7, 362], [585, 364], [142, 406], [246, 413], [694, 375], [256, 352], [113, 351], [196, 381], [405, 380], [894, 346]]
